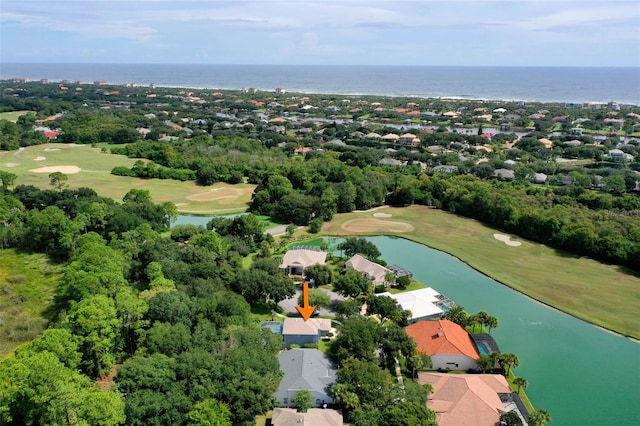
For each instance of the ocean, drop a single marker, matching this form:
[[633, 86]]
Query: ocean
[[543, 84]]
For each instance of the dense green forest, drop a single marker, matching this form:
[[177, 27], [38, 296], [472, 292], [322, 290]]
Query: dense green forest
[[169, 320], [163, 320]]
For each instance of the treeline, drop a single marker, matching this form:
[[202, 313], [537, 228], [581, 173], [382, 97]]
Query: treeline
[[577, 220], [601, 224], [170, 313], [148, 170]]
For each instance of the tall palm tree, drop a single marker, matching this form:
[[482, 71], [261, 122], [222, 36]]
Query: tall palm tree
[[521, 382], [539, 418], [491, 322], [496, 358], [457, 314], [510, 361], [481, 318]]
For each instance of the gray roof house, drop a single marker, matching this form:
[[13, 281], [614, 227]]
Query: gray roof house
[[300, 332], [308, 369], [619, 155], [504, 174], [374, 272]]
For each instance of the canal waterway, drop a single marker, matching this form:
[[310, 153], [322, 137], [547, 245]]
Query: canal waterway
[[581, 374]]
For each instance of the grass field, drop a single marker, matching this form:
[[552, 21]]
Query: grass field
[[12, 116], [605, 295], [27, 283], [95, 172]]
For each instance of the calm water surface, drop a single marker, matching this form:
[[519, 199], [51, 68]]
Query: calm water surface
[[581, 374]]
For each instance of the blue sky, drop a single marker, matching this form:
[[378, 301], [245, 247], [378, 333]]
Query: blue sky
[[345, 32]]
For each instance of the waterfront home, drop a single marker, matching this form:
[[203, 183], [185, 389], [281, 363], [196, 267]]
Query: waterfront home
[[297, 331], [308, 369], [424, 303], [296, 260], [313, 417], [374, 272], [471, 399], [448, 344]]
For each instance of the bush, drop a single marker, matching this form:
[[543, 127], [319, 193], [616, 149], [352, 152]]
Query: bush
[[310, 346], [380, 289], [315, 225]]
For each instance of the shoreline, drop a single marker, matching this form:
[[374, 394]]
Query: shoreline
[[633, 339], [295, 84]]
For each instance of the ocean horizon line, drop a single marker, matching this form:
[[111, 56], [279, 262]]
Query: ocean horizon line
[[578, 85]]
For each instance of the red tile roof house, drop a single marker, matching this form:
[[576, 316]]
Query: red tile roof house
[[299, 332], [470, 399], [448, 344], [296, 260]]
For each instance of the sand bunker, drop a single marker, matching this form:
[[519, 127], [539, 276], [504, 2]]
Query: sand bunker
[[68, 170], [40, 158], [220, 193], [51, 149], [376, 225], [507, 240], [382, 215], [12, 164]]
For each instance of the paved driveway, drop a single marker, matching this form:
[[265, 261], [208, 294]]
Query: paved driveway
[[289, 305]]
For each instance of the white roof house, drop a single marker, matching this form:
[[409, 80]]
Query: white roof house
[[423, 303], [295, 261], [373, 271]]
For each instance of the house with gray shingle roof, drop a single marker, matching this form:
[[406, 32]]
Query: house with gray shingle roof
[[308, 369]]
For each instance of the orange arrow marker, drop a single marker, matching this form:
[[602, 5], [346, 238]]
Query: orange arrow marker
[[305, 310]]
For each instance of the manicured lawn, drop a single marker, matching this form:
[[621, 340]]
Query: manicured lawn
[[523, 395], [413, 285], [96, 173], [12, 116], [27, 283], [605, 295]]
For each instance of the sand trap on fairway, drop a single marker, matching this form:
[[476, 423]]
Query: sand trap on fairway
[[382, 215], [68, 170], [220, 193], [375, 225], [12, 164], [40, 158], [507, 240], [51, 149]]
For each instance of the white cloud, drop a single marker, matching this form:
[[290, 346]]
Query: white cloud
[[324, 28]]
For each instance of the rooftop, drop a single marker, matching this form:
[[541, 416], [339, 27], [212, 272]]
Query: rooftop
[[306, 369], [466, 399], [422, 303], [310, 327], [304, 258], [313, 417], [442, 337]]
